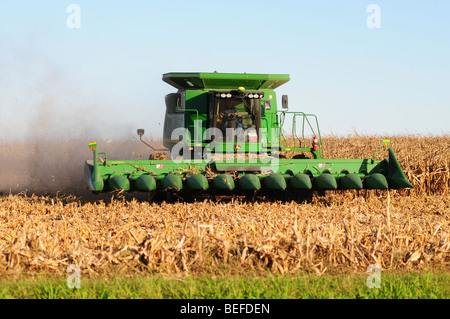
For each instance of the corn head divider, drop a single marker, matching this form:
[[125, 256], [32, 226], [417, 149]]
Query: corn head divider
[[213, 114]]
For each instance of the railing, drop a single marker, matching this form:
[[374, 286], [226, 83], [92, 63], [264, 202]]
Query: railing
[[197, 138], [295, 138]]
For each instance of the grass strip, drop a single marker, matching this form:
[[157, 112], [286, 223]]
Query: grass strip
[[429, 285]]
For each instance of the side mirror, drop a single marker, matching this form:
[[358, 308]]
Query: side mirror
[[140, 132], [284, 101]]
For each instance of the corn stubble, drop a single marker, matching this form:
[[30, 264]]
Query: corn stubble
[[343, 231]]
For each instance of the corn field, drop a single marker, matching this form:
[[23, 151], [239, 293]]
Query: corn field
[[343, 231]]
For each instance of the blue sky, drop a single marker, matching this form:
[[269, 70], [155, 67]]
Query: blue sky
[[103, 80]]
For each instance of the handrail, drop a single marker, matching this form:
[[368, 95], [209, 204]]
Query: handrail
[[196, 138], [294, 127]]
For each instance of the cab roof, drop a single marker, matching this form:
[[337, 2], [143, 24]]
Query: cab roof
[[231, 81]]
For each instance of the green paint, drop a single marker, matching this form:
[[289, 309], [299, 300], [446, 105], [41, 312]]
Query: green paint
[[300, 181], [172, 182], [145, 183], [224, 182], [249, 182], [376, 181], [350, 181], [197, 182], [275, 181], [119, 182], [325, 181]]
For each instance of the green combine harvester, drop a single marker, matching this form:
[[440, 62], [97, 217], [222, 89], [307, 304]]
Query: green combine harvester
[[224, 133]]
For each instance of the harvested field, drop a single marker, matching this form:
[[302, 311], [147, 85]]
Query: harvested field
[[336, 233], [343, 231]]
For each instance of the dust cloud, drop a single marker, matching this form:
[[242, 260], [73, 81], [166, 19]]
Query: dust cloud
[[45, 166], [47, 119]]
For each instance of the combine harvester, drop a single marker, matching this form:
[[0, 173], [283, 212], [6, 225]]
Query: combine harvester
[[224, 132]]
